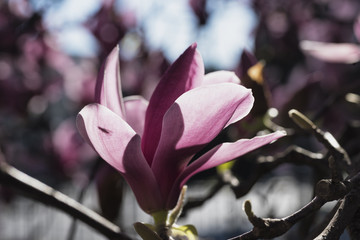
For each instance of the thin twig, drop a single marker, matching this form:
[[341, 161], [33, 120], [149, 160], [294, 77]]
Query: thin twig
[[293, 154], [196, 202], [326, 138], [265, 164], [39, 191]]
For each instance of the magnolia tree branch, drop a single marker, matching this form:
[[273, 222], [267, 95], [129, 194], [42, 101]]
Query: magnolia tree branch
[[344, 215], [354, 226], [348, 191], [266, 228], [326, 191], [342, 218], [316, 230], [36, 190]]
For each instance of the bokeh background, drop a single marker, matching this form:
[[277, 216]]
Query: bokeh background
[[50, 53]]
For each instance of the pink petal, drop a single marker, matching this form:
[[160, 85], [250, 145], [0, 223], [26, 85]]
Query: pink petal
[[184, 74], [220, 77], [107, 132], [195, 119], [135, 109], [218, 155], [118, 144], [108, 85], [332, 52]]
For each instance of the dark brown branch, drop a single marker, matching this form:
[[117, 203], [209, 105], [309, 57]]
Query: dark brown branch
[[341, 219], [266, 228], [354, 226], [311, 207], [324, 222], [49, 196], [327, 139], [326, 190], [332, 190], [344, 214]]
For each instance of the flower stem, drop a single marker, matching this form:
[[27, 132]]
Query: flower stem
[[160, 218]]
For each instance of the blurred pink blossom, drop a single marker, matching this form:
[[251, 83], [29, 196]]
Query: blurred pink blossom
[[68, 145], [332, 52]]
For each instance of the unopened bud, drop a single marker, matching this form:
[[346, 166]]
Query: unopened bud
[[248, 209], [301, 120]]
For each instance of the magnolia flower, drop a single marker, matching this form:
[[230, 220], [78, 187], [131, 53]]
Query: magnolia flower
[[152, 143]]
